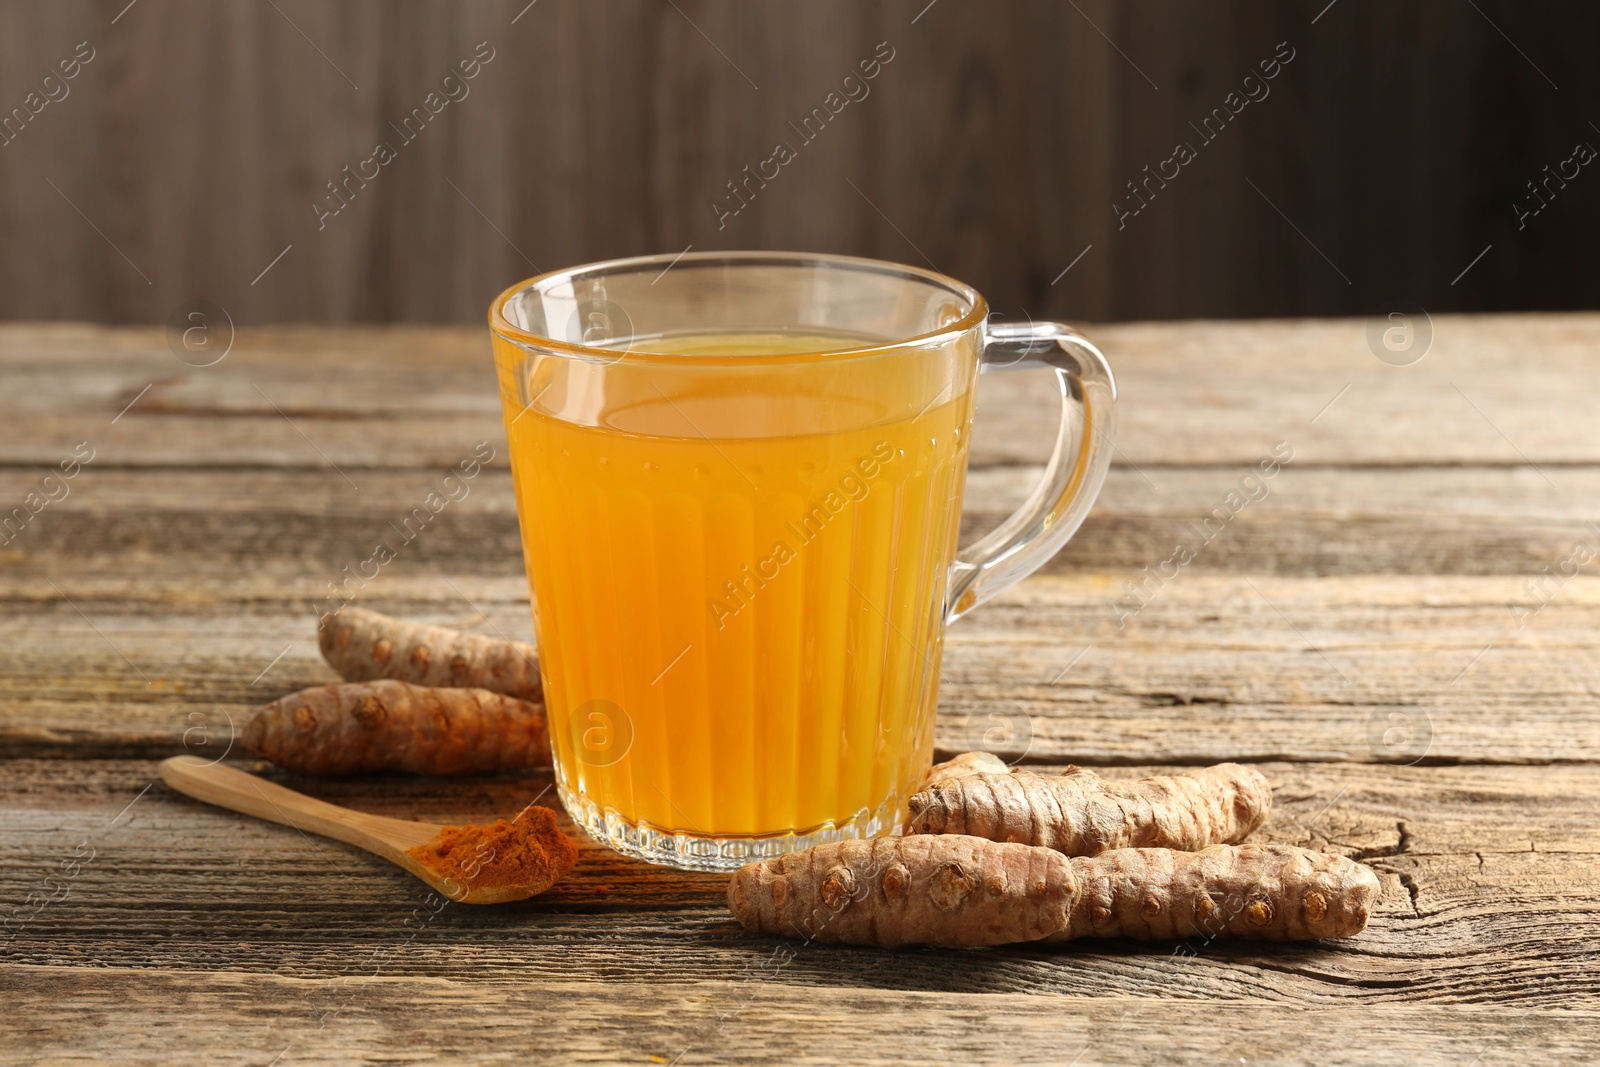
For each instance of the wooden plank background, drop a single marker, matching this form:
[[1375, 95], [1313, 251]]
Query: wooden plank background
[[1388, 155]]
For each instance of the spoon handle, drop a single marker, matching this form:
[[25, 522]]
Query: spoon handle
[[239, 791]]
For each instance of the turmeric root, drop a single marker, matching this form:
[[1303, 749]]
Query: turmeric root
[[948, 890], [1078, 814], [957, 891], [389, 725], [365, 645], [1254, 892], [965, 764]]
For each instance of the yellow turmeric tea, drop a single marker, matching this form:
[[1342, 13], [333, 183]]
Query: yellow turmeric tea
[[739, 582]]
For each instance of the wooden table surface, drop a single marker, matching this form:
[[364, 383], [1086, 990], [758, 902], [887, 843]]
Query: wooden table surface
[[1353, 630]]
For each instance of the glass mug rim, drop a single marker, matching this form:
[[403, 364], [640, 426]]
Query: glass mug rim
[[976, 313]]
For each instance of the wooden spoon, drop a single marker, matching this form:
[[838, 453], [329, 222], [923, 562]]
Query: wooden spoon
[[390, 838]]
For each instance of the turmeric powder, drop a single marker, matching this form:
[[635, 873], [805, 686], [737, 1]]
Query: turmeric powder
[[364, 645], [957, 891], [528, 852], [389, 725], [1079, 814]]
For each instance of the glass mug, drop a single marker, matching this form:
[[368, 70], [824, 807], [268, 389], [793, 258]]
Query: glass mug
[[738, 479]]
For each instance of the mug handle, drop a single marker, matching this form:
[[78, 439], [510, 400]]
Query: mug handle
[[1058, 504]]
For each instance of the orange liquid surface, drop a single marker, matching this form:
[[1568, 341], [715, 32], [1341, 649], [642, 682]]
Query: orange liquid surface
[[739, 594]]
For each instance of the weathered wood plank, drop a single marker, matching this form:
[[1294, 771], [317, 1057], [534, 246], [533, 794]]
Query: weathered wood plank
[[202, 578], [1216, 667], [1305, 520], [1195, 393], [66, 1016], [1489, 893]]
